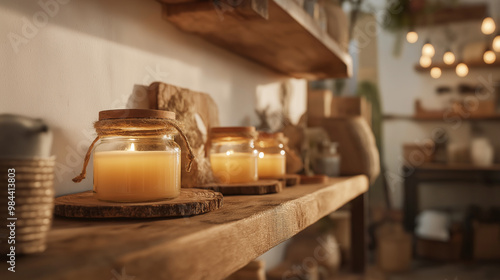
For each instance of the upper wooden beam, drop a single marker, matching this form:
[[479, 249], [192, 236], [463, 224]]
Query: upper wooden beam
[[246, 8], [289, 41]]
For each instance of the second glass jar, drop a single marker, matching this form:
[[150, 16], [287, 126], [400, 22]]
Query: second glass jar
[[233, 155], [272, 158]]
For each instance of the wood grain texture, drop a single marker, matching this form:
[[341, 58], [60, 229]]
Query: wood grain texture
[[190, 202], [291, 180], [209, 246], [313, 179], [289, 41], [252, 188]]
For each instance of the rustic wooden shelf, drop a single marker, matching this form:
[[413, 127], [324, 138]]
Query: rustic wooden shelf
[[471, 65], [209, 246], [457, 167], [276, 33], [452, 14], [439, 117]]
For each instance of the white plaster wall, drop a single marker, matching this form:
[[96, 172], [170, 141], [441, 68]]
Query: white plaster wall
[[83, 56]]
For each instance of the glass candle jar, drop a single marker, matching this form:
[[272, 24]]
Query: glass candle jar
[[233, 155], [139, 161], [272, 158]]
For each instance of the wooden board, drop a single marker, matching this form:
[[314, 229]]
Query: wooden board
[[314, 179], [253, 188], [288, 41], [289, 180], [209, 246], [190, 202]]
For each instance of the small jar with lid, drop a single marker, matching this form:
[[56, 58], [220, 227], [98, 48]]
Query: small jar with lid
[[233, 156], [272, 157], [327, 162], [137, 159]]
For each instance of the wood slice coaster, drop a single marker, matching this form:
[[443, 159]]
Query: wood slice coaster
[[314, 179], [252, 188], [190, 202]]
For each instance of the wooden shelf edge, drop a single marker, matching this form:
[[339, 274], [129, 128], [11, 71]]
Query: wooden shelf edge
[[301, 16], [289, 41], [209, 246]]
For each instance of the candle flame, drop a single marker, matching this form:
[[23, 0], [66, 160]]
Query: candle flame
[[261, 155], [132, 147], [230, 152], [282, 152]]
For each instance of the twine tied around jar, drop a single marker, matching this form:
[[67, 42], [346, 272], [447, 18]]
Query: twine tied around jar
[[135, 127]]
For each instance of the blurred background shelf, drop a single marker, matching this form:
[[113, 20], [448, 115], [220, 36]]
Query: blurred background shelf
[[439, 117], [457, 13], [278, 34], [471, 65]]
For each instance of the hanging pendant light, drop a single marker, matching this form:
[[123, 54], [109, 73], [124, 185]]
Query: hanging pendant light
[[412, 36], [428, 49], [425, 61], [449, 57], [436, 72], [496, 43], [489, 56], [462, 69], [488, 26]]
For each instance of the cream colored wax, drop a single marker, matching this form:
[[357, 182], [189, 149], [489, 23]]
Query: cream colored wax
[[232, 167], [132, 176], [271, 165]]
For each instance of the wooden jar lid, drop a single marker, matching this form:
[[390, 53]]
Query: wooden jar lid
[[135, 114], [275, 135], [232, 129]]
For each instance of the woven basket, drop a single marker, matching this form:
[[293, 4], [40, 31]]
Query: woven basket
[[34, 203]]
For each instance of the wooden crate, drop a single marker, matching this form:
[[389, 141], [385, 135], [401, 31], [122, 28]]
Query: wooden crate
[[319, 103], [351, 106]]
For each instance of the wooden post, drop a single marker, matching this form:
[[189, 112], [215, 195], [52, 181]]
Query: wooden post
[[358, 234], [410, 200]]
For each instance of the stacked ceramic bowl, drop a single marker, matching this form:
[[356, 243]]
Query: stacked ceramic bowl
[[26, 204]]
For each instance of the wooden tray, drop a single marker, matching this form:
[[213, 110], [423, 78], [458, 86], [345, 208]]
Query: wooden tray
[[190, 202], [314, 179], [289, 179], [253, 188]]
